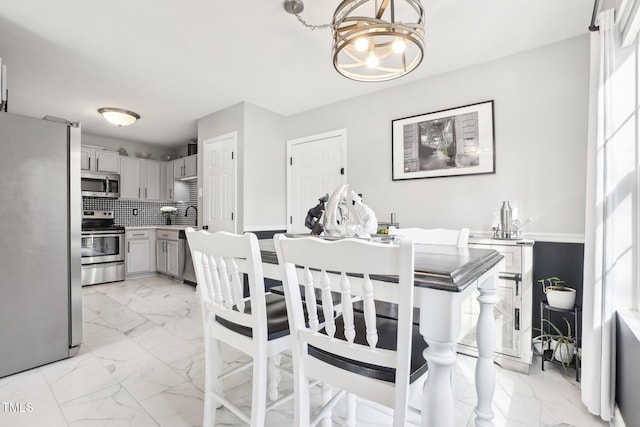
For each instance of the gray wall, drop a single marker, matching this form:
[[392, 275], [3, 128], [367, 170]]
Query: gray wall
[[628, 374], [220, 123], [261, 162], [265, 172], [541, 104]]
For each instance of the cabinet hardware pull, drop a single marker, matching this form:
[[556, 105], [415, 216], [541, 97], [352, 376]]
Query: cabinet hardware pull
[[89, 163], [97, 164], [517, 319], [128, 247], [515, 278], [138, 192]]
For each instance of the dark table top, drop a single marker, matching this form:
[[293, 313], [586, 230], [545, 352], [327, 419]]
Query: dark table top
[[446, 268]]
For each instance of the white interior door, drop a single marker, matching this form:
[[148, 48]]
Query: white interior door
[[219, 183], [316, 166]]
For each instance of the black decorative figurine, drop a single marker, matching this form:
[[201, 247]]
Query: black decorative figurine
[[312, 220]]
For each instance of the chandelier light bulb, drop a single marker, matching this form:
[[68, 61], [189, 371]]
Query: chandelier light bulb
[[398, 46], [362, 44], [372, 60]]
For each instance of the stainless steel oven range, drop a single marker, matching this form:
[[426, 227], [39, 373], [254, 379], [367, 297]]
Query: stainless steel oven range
[[102, 248]]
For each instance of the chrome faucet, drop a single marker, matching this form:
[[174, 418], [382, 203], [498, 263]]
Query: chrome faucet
[[186, 211]]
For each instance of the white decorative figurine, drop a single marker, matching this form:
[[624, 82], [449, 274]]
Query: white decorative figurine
[[347, 216]]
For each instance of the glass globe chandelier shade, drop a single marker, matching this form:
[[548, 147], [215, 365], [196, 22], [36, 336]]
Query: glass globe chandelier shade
[[118, 116], [377, 40]]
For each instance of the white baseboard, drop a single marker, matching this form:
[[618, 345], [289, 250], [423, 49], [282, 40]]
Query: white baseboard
[[617, 420]]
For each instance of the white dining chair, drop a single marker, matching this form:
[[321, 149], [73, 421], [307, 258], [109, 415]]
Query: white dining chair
[[358, 353], [421, 236], [256, 325]]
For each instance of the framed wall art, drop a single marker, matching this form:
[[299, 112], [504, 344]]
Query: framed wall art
[[457, 141]]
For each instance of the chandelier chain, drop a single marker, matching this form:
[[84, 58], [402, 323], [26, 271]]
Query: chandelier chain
[[312, 26]]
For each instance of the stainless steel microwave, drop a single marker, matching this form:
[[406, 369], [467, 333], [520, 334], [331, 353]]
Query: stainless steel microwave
[[100, 185]]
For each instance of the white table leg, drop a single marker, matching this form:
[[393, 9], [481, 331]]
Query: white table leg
[[438, 402], [486, 339], [440, 314]]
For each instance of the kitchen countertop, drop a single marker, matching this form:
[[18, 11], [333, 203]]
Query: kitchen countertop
[[158, 227]]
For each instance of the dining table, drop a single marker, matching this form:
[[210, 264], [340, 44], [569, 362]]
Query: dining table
[[444, 277]]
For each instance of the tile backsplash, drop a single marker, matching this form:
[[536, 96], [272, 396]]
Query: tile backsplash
[[148, 212]]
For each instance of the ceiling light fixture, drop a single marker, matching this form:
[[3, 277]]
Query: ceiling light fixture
[[118, 116], [373, 40]]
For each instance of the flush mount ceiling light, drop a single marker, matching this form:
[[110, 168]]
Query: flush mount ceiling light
[[118, 116], [373, 40]]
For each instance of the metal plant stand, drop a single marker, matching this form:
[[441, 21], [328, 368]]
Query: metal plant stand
[[547, 355]]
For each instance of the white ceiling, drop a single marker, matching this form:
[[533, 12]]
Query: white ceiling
[[173, 61]]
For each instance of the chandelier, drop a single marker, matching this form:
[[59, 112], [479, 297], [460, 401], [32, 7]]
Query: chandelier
[[373, 40]]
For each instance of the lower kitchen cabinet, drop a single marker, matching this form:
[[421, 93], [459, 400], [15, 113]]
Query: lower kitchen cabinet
[[167, 253], [513, 306], [140, 256]]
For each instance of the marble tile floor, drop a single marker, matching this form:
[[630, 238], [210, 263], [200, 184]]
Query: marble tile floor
[[142, 364]]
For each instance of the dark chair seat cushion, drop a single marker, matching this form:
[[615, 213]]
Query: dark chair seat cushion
[[277, 322], [387, 339], [387, 310]]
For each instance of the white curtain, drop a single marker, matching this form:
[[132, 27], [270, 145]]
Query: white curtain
[[611, 216]]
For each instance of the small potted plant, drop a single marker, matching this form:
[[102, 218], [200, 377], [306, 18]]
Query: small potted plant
[[168, 212], [558, 295], [563, 346]]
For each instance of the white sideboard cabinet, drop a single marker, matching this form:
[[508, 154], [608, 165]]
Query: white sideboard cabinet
[[513, 306]]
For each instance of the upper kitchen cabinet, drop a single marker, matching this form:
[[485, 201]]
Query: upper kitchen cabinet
[[171, 189], [185, 167], [97, 160], [140, 179]]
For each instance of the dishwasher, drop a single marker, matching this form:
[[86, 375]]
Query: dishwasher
[[185, 262]]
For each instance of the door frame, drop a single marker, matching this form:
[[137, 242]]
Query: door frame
[[342, 133], [233, 136]]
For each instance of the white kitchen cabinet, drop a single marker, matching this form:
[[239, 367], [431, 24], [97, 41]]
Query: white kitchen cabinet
[[171, 189], [151, 179], [167, 255], [96, 160], [513, 306], [140, 179], [140, 257], [185, 167], [130, 178]]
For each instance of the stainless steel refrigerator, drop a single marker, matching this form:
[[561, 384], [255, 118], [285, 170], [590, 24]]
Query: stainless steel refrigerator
[[40, 221]]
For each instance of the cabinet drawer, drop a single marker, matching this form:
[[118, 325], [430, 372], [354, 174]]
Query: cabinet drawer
[[511, 263], [138, 234], [167, 234]]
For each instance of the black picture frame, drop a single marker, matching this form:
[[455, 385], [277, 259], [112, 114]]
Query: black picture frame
[[452, 142]]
